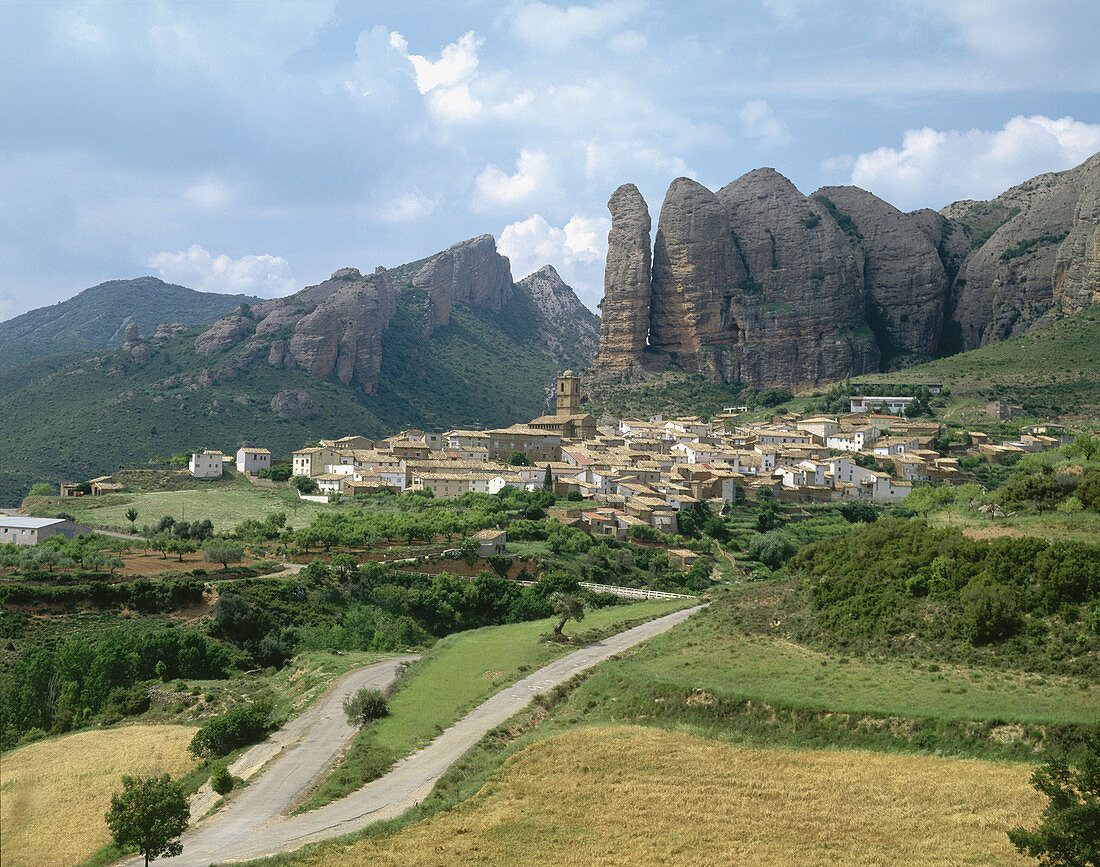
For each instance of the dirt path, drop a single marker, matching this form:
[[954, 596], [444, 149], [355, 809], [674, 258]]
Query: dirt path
[[253, 825]]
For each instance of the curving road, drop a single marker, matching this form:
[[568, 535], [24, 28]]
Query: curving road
[[254, 825]]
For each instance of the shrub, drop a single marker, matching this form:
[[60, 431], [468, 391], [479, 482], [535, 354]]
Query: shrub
[[365, 706], [221, 781], [243, 725]]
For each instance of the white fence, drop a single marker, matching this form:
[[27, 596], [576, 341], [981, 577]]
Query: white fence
[[634, 592]]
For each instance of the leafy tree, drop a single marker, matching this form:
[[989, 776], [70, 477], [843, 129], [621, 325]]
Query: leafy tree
[[149, 815], [237, 727], [365, 706], [305, 485], [567, 606], [1069, 828], [859, 512], [548, 480], [131, 516], [519, 459], [222, 552], [41, 489]]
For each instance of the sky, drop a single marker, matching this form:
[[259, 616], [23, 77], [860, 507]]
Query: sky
[[258, 146]]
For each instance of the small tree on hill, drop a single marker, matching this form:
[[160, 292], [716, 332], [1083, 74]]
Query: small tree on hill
[[131, 516], [1069, 829], [567, 606], [149, 815], [222, 552]]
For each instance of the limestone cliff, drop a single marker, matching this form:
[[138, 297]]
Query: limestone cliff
[[568, 326], [624, 323], [470, 271]]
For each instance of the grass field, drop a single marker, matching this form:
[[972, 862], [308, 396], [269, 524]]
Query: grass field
[[458, 673], [54, 793], [629, 795], [1076, 527], [226, 507], [697, 656]]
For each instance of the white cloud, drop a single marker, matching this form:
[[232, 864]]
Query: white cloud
[[413, 205], [209, 193], [457, 62], [934, 168], [759, 122], [552, 28], [577, 250], [789, 12], [496, 190], [264, 275]]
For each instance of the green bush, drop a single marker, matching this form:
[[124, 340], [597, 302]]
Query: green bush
[[365, 706], [221, 781], [243, 725]]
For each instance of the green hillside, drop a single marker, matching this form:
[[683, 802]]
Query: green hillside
[[1051, 372], [72, 420], [97, 317]]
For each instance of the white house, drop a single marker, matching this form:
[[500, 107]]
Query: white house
[[31, 531], [872, 403], [207, 465], [251, 460]]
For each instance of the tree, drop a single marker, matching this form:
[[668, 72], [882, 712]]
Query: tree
[[548, 480], [222, 552], [518, 459], [148, 815], [41, 489], [365, 706], [131, 516], [1069, 828], [305, 485], [567, 606]]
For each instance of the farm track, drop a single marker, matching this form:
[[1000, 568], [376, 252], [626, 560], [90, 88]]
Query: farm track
[[254, 825]]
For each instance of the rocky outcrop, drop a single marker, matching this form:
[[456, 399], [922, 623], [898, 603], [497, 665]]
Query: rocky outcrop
[[343, 335], [758, 284], [1077, 262], [801, 314], [698, 275], [573, 328], [905, 281], [226, 332], [624, 323], [293, 404], [471, 271]]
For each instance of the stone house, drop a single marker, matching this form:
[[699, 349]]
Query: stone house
[[32, 531]]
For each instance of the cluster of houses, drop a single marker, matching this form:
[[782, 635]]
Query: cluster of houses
[[645, 471]]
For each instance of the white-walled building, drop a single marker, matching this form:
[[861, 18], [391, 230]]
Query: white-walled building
[[208, 465], [251, 461]]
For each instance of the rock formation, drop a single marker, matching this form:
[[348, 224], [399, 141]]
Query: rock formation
[[624, 324], [905, 282], [470, 271], [757, 283], [576, 325], [293, 404]]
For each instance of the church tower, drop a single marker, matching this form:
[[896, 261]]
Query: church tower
[[569, 394]]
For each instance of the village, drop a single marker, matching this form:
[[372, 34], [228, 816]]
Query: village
[[643, 472]]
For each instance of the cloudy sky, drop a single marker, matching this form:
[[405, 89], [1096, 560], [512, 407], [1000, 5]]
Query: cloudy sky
[[259, 145]]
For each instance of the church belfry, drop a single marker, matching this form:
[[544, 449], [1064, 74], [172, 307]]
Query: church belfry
[[569, 394]]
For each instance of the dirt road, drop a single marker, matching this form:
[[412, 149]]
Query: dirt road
[[253, 825]]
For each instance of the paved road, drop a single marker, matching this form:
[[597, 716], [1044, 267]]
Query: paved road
[[254, 826]]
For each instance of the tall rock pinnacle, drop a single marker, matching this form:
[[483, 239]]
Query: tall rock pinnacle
[[625, 323]]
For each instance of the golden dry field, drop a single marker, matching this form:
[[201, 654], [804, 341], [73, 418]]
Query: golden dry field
[[54, 793], [633, 795]]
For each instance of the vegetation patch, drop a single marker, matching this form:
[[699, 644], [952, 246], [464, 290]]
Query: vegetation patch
[[55, 793]]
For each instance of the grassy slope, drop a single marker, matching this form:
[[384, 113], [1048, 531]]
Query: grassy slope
[[457, 674], [625, 795], [66, 784], [1053, 371]]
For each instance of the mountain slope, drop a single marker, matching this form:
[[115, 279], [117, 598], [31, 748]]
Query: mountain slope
[[461, 345], [98, 317]]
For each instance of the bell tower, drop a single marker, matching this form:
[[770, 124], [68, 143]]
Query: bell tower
[[569, 394]]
